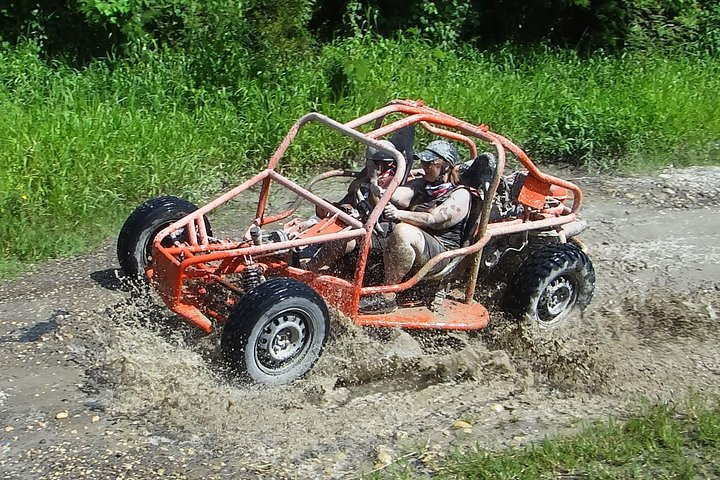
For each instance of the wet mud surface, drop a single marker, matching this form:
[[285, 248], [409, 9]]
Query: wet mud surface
[[102, 382]]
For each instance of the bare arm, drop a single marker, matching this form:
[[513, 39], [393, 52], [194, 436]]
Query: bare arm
[[401, 197], [445, 215]]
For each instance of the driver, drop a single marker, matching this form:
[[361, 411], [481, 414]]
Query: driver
[[379, 171], [362, 193], [430, 215]]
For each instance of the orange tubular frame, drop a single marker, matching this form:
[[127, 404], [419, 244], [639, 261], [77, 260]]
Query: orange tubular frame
[[176, 269]]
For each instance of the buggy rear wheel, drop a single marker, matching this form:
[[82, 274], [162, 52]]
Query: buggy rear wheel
[[552, 286], [276, 332], [134, 246]]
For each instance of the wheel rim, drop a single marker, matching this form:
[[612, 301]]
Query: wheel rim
[[166, 242], [282, 340], [556, 301]]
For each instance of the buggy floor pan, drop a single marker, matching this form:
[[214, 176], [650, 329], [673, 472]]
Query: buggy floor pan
[[451, 315]]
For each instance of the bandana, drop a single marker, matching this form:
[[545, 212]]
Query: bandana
[[438, 190], [385, 177]]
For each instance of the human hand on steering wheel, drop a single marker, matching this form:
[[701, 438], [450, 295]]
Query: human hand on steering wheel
[[392, 213], [376, 191]]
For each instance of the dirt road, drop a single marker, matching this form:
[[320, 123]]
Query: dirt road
[[97, 383]]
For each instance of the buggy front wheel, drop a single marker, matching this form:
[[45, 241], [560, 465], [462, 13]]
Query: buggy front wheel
[[134, 246], [276, 332]]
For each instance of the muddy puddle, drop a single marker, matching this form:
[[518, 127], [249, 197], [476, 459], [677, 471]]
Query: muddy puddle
[[398, 388], [401, 389]]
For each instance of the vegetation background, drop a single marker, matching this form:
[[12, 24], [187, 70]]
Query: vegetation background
[[104, 103]]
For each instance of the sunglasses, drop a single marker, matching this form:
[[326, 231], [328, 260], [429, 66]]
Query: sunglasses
[[435, 162]]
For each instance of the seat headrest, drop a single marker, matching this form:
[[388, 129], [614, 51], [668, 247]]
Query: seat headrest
[[403, 140], [479, 172]]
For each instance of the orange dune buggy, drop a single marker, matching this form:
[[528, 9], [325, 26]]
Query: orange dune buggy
[[274, 312]]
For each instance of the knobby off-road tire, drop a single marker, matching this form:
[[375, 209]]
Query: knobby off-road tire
[[276, 332], [552, 286], [134, 246]]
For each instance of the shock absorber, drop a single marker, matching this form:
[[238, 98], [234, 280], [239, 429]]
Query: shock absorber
[[252, 276]]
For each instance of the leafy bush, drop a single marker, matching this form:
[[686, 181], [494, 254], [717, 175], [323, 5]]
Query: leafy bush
[[671, 25], [226, 38], [608, 25]]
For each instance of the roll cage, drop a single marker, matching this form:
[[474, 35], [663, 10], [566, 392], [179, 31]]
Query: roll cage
[[181, 271]]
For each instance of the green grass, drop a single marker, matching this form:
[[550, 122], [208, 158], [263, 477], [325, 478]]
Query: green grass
[[660, 442], [632, 112], [80, 148]]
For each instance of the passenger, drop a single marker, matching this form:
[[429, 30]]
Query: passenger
[[430, 215]]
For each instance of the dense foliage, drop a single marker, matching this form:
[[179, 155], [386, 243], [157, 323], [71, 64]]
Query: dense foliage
[[105, 103], [233, 34]]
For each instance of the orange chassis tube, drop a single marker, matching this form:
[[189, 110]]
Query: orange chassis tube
[[182, 272]]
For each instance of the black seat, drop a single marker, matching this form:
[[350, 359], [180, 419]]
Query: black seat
[[478, 175], [403, 140]]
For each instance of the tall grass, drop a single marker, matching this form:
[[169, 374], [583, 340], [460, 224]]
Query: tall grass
[[602, 112], [79, 149]]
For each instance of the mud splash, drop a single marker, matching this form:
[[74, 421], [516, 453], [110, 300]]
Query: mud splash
[[380, 381]]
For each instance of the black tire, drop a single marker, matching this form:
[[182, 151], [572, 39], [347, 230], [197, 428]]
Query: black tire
[[552, 286], [255, 338], [134, 245]]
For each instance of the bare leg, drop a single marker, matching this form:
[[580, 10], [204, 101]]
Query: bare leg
[[405, 245]]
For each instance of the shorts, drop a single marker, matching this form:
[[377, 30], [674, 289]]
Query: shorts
[[432, 248], [379, 241]]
